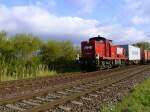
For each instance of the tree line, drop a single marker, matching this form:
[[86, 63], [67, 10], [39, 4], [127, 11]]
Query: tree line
[[25, 54], [143, 45]]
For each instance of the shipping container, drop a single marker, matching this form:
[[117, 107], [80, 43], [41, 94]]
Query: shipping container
[[133, 53], [146, 57]]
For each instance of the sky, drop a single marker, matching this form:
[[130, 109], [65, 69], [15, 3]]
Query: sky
[[123, 21]]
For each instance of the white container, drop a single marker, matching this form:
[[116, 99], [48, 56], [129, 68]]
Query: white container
[[133, 53]]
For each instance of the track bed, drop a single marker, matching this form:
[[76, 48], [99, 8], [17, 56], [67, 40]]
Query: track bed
[[23, 87], [80, 93]]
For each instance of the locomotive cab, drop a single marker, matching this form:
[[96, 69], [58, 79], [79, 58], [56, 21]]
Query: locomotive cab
[[90, 49], [102, 46]]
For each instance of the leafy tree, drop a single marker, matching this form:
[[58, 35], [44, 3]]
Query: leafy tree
[[26, 45], [56, 53], [67, 51], [3, 34], [143, 45], [6, 47], [50, 52], [26, 54]]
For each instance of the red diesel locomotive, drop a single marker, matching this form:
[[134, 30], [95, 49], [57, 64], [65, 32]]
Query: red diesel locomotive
[[100, 53]]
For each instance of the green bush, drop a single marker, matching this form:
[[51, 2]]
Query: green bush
[[24, 55]]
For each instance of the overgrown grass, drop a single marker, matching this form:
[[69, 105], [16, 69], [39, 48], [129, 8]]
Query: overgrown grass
[[27, 76], [18, 72], [138, 101]]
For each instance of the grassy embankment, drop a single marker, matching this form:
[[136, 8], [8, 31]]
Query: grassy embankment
[[12, 72], [138, 101], [23, 73]]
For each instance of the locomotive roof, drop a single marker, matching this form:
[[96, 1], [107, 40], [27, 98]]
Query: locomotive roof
[[99, 38]]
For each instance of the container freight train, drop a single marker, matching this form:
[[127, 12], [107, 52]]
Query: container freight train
[[101, 53]]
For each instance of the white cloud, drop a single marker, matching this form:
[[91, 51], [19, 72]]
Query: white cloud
[[133, 35], [32, 19], [135, 14], [38, 21], [133, 4], [123, 35], [138, 11], [140, 20]]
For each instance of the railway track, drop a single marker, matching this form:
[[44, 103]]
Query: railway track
[[55, 97], [15, 88]]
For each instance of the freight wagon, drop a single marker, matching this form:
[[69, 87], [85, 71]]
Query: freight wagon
[[145, 54], [133, 53]]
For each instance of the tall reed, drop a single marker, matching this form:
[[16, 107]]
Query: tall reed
[[17, 71]]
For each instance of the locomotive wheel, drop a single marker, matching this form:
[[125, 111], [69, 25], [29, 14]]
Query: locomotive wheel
[[99, 68], [109, 66]]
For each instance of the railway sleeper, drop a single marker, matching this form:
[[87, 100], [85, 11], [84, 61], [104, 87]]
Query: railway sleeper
[[53, 96], [63, 93], [77, 103], [65, 108], [30, 103], [84, 98], [13, 107], [69, 90], [93, 95], [43, 99]]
